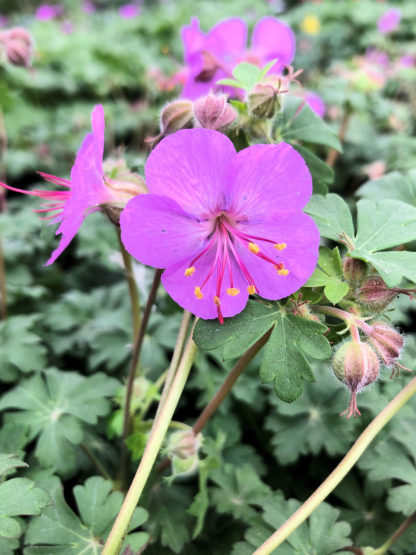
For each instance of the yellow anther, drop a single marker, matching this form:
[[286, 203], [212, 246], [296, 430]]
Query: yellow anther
[[233, 291], [190, 271], [283, 272], [252, 247], [280, 246], [198, 293], [217, 300], [251, 290]]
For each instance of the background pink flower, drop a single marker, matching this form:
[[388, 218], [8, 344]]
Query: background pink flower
[[389, 21], [212, 56]]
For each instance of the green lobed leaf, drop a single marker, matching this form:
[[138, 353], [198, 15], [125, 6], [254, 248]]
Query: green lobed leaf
[[60, 530], [298, 122], [322, 174], [321, 534], [10, 461], [18, 497], [329, 273], [394, 185], [292, 340], [21, 349], [395, 459], [331, 215], [54, 406]]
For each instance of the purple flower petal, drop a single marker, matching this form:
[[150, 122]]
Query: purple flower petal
[[299, 233], [273, 39], [169, 235], [182, 288], [389, 21], [268, 179], [191, 167], [316, 103], [98, 129], [68, 229], [227, 40]]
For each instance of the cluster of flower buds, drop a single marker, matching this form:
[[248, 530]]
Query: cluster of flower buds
[[357, 363], [211, 112], [182, 448], [17, 44]]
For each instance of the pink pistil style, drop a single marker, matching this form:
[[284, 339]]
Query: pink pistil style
[[212, 56], [224, 225], [86, 190]]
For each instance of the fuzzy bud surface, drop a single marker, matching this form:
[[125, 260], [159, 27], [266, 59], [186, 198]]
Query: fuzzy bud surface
[[214, 112]]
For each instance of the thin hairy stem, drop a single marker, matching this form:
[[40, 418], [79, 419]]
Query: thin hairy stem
[[154, 443], [3, 291], [383, 549], [131, 282], [223, 391], [133, 369], [95, 462], [340, 471]]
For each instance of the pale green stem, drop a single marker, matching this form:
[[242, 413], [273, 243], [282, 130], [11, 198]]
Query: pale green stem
[[347, 317], [340, 471], [154, 443], [186, 318]]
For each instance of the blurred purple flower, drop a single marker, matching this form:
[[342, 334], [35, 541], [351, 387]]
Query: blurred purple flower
[[212, 56], [316, 103], [84, 193], [88, 7], [225, 225], [389, 21], [67, 27], [407, 60], [4, 21], [129, 11], [46, 12]]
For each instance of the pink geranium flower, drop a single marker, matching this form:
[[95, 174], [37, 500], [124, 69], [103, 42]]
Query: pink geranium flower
[[225, 225], [389, 21], [46, 12], [316, 103], [212, 56], [84, 193]]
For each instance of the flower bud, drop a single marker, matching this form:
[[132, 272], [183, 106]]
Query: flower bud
[[123, 185], [175, 116], [356, 365], [18, 44], [354, 270], [213, 112], [374, 293], [182, 448], [388, 343], [263, 98]]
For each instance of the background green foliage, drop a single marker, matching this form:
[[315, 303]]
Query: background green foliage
[[66, 344]]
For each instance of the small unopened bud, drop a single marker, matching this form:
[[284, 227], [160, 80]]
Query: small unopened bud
[[374, 293], [263, 99], [18, 44], [176, 115], [356, 365], [183, 448], [214, 112], [388, 344], [354, 270]]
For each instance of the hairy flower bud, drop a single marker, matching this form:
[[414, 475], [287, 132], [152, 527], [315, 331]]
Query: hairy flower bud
[[18, 44], [182, 448], [213, 112], [175, 116], [354, 270], [123, 185], [356, 365], [374, 293], [388, 344], [263, 98]]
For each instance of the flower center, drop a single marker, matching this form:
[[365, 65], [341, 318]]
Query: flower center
[[222, 241]]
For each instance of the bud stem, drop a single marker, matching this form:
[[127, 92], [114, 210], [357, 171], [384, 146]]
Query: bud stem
[[156, 437], [350, 319], [339, 472], [396, 535]]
